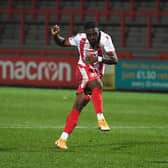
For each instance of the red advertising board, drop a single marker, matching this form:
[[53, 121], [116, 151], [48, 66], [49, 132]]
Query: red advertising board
[[38, 71]]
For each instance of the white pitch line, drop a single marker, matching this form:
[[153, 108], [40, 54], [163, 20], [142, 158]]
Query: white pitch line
[[79, 127]]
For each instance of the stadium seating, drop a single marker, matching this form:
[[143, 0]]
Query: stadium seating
[[134, 25]]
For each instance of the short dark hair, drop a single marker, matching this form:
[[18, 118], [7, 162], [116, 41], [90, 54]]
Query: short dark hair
[[89, 25]]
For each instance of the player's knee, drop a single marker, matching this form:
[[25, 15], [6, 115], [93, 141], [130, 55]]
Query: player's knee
[[78, 107], [81, 102], [95, 84], [98, 85]]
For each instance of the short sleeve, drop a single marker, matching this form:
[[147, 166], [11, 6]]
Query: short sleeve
[[74, 40], [108, 44]]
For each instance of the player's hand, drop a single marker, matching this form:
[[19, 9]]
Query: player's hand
[[55, 30], [91, 59]]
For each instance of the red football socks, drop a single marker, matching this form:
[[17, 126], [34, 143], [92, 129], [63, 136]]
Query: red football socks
[[73, 116], [71, 121], [97, 100]]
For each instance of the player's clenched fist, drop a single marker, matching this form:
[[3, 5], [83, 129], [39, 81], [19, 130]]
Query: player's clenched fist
[[55, 30]]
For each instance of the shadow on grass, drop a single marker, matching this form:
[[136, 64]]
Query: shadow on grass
[[8, 149], [30, 150], [115, 146], [119, 146]]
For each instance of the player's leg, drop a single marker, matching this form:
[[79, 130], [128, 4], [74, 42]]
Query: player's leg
[[81, 100], [97, 98], [72, 119]]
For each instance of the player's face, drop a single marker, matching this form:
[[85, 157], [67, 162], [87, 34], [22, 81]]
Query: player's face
[[93, 36]]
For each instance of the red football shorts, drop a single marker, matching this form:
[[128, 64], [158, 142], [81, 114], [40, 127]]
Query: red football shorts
[[84, 74]]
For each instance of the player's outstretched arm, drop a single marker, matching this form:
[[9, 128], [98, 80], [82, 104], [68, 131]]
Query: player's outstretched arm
[[59, 40]]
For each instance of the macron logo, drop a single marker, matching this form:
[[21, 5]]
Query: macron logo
[[35, 71]]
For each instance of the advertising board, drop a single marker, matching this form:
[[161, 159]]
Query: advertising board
[[37, 71], [142, 75]]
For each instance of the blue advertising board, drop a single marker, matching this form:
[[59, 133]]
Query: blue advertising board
[[141, 75]]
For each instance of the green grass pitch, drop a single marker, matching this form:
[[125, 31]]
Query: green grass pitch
[[32, 119]]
